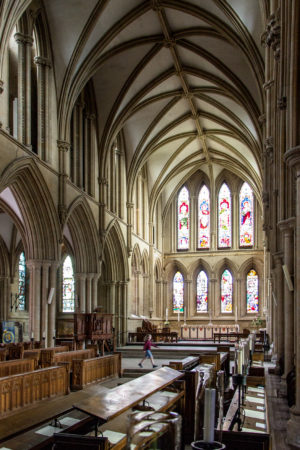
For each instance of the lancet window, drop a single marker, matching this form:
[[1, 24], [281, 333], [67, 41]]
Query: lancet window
[[224, 216], [203, 218], [68, 296], [178, 289], [183, 219], [202, 292], [226, 292], [252, 292], [246, 216]]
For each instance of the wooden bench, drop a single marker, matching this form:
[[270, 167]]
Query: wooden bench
[[87, 371], [21, 390], [16, 366], [47, 354], [33, 354], [184, 364], [53, 358]]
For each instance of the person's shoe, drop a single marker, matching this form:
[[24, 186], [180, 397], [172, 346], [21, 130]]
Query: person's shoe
[[154, 366], [140, 365]]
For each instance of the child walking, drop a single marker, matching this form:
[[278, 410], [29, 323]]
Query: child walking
[[147, 349]]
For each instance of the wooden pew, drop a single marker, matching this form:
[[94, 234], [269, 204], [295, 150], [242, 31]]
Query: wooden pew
[[3, 354], [33, 354], [87, 371], [51, 357], [184, 364], [67, 441], [15, 351], [16, 366], [21, 390], [47, 354]]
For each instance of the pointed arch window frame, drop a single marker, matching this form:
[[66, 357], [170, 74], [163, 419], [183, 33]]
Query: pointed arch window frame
[[256, 301], [229, 206], [249, 214], [202, 311], [230, 310], [66, 311], [180, 307], [183, 220], [203, 218]]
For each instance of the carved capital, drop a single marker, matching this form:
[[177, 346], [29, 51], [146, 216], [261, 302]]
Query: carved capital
[[129, 205], [282, 103], [41, 61], [262, 119], [269, 149], [23, 39], [266, 198], [63, 146], [292, 157], [1, 86], [273, 34], [268, 84]]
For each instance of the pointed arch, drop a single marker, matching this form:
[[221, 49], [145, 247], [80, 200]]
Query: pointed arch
[[84, 234], [115, 255], [183, 220], [224, 217], [40, 220]]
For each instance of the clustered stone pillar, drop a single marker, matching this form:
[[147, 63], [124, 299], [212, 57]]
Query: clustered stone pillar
[[43, 66], [52, 306], [292, 158], [24, 88], [278, 324]]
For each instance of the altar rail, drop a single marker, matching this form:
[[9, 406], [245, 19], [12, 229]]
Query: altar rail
[[96, 369], [21, 390], [206, 331], [16, 366]]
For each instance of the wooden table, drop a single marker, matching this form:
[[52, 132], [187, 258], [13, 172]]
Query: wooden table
[[110, 404]]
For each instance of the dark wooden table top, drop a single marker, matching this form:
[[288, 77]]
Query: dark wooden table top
[[110, 404]]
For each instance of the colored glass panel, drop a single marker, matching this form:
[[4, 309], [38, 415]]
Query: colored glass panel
[[183, 219], [226, 292], [202, 292], [246, 216], [22, 282], [224, 209], [68, 286], [204, 218], [252, 292], [178, 292]]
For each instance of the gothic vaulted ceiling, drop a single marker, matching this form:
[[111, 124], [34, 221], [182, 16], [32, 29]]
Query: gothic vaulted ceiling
[[181, 79]]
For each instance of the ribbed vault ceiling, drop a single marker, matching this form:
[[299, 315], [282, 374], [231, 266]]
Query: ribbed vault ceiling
[[181, 79]]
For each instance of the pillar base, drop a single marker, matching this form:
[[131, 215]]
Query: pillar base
[[293, 427], [282, 387]]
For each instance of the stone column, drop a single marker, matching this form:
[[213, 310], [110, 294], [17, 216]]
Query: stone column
[[287, 229], [187, 299], [43, 66], [166, 301], [78, 157], [44, 302], [89, 292], [52, 306], [145, 298], [151, 271], [212, 299], [95, 291], [292, 158], [130, 207], [35, 298], [92, 159], [235, 230], [118, 313], [63, 148], [124, 311], [81, 283], [280, 322], [24, 88], [112, 300]]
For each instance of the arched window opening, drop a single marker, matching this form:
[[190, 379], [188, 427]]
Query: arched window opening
[[68, 286], [183, 219], [22, 283], [224, 210], [202, 292], [178, 286], [246, 216], [226, 292], [252, 292], [203, 218]]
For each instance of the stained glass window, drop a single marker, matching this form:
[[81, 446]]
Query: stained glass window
[[183, 219], [178, 292], [224, 209], [202, 292], [22, 282], [252, 292], [68, 286], [246, 216], [203, 218], [226, 292]]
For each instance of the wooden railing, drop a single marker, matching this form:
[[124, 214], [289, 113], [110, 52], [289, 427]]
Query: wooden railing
[[96, 369], [16, 366], [21, 390]]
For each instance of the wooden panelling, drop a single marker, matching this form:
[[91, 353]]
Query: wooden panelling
[[51, 358], [16, 366], [47, 354], [89, 370], [21, 390]]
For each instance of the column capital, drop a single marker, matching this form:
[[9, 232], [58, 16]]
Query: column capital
[[23, 38], [81, 276], [41, 61], [292, 157], [63, 146], [1, 86], [287, 225], [129, 204], [278, 256], [34, 264]]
